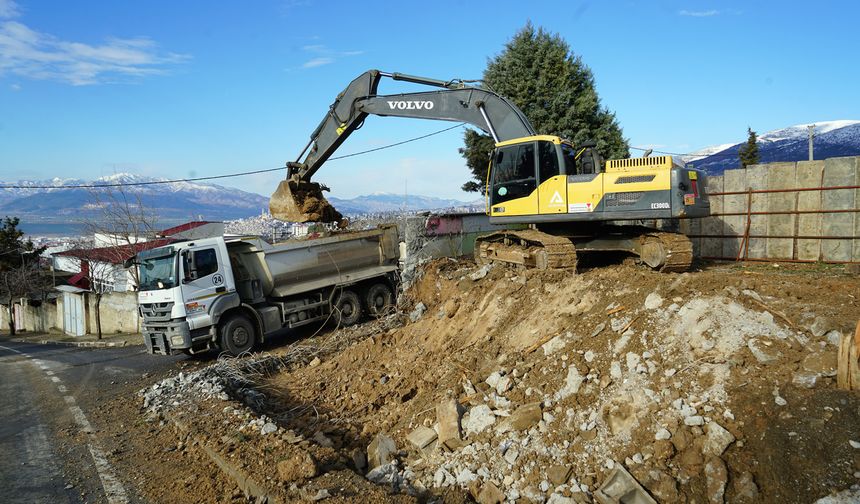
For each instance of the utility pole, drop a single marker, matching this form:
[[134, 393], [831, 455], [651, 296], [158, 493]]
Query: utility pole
[[811, 128]]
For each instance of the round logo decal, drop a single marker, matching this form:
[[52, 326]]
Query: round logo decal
[[217, 279]]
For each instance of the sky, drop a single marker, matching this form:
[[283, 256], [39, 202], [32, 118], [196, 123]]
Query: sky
[[197, 88]]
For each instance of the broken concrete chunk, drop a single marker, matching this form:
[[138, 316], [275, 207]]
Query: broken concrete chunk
[[662, 434], [717, 440], [621, 487], [448, 417], [716, 476], [416, 314], [571, 384], [805, 379], [554, 345], [653, 301], [481, 273], [421, 437], [381, 451], [480, 417], [694, 420]]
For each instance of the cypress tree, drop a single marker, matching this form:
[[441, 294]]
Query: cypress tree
[[539, 73], [748, 153]]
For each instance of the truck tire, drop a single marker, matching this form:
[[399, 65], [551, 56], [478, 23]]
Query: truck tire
[[347, 308], [237, 335], [377, 299]]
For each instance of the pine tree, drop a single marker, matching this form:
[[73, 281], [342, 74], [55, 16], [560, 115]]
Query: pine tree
[[748, 153], [555, 90]]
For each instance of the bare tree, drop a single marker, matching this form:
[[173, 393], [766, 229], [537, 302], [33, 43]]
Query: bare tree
[[19, 282], [121, 216]]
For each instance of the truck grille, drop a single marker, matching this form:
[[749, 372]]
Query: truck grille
[[156, 312]]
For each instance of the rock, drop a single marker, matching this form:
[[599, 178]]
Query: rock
[[421, 437], [620, 487], [662, 486], [653, 301], [557, 498], [511, 455], [559, 474], [716, 476], [493, 379], [554, 345], [818, 327], [662, 434], [320, 495], [525, 417], [297, 468], [589, 356], [448, 417], [419, 310], [694, 420], [615, 370], [321, 439], [380, 451], [268, 428], [824, 363], [633, 360], [359, 459], [746, 491], [314, 362], [833, 337], [504, 384], [854, 444], [805, 379], [443, 478], [780, 401], [481, 273], [571, 383], [490, 494], [717, 440], [761, 355], [480, 417], [465, 477], [599, 329]]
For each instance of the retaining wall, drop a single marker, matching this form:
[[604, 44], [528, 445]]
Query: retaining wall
[[796, 211]]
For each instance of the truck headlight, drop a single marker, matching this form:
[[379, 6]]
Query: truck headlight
[[176, 340]]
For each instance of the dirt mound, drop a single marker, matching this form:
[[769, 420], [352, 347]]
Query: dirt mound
[[557, 379]]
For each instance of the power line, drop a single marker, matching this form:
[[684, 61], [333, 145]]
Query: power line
[[215, 177]]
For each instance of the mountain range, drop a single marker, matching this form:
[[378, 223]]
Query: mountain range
[[178, 201], [831, 139]]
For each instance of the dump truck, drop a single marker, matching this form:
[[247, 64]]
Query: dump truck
[[574, 202], [229, 294]]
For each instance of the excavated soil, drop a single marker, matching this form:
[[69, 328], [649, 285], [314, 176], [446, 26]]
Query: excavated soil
[[627, 366]]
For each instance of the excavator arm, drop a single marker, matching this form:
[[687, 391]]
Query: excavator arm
[[298, 199]]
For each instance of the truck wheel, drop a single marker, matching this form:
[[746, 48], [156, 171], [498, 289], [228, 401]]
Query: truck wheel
[[237, 335], [347, 308], [377, 299]]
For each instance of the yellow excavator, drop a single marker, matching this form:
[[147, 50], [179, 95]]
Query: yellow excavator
[[572, 201]]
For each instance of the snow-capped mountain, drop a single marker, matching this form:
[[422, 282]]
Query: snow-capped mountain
[[179, 201], [832, 139], [170, 201]]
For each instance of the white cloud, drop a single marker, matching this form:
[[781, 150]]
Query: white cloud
[[317, 62], [28, 53], [15, 87], [706, 13], [323, 55], [9, 9]]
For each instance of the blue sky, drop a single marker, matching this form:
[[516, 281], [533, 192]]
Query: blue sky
[[196, 88]]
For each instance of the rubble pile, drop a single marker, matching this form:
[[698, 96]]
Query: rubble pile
[[512, 384]]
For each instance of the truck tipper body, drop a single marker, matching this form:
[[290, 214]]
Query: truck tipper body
[[229, 294]]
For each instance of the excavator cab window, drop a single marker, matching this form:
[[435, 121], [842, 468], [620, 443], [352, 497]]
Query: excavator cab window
[[513, 172], [548, 161]]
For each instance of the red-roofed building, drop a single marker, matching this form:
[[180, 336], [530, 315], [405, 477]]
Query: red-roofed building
[[194, 230], [105, 264]]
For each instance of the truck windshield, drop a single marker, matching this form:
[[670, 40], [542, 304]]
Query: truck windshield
[[157, 272]]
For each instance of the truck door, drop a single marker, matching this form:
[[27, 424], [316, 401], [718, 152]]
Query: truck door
[[203, 278], [552, 188], [514, 181]]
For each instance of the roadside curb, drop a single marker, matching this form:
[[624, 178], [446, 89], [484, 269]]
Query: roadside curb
[[243, 480], [80, 344]]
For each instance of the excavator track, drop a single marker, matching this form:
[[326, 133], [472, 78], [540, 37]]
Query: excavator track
[[527, 247], [667, 252]]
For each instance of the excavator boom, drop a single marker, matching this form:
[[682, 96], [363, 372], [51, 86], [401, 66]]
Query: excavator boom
[[297, 199]]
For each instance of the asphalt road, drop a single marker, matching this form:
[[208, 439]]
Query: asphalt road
[[49, 394]]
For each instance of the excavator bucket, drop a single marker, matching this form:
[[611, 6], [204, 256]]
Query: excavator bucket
[[301, 201]]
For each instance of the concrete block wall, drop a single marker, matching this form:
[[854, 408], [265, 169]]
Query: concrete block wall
[[777, 232]]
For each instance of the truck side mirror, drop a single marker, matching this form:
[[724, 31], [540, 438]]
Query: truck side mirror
[[128, 263], [187, 274]]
